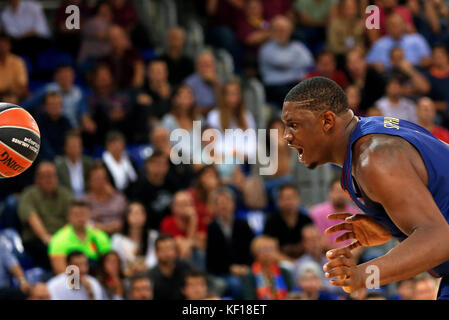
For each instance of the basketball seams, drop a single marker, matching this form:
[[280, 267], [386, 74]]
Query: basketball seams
[[24, 128], [19, 114], [9, 148], [11, 108]]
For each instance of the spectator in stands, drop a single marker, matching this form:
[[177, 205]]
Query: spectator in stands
[[26, 24], [183, 113], [179, 65], [120, 168], [337, 202], [228, 242], [206, 182], [39, 291], [430, 18], [272, 9], [109, 109], [109, 274], [282, 62], [416, 48], [135, 243], [267, 280], [426, 118], [284, 167], [232, 114], [125, 14], [73, 167], [124, 61], [314, 16], [405, 289], [106, 203], [95, 43], [252, 32], [354, 98], [69, 40], [10, 265], [286, 224], [167, 276], [53, 125], [315, 245], [394, 104], [326, 66], [345, 30], [74, 103], [188, 230], [415, 83], [370, 82], [140, 288], [154, 97], [89, 287], [10, 97], [388, 7], [205, 82], [77, 235], [155, 189], [438, 75], [195, 285], [220, 30], [309, 281], [425, 287], [42, 210], [13, 69]]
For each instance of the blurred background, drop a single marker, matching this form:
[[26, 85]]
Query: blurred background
[[104, 195]]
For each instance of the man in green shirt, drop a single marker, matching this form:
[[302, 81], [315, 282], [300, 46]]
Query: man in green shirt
[[77, 236], [42, 210]]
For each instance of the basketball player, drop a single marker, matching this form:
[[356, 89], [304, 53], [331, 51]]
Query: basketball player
[[395, 171]]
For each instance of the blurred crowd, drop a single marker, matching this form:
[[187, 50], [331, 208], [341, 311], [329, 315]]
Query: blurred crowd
[[103, 194]]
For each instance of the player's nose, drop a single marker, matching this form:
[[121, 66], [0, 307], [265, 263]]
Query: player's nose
[[287, 136]]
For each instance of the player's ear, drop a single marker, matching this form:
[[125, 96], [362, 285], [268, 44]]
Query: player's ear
[[328, 120]]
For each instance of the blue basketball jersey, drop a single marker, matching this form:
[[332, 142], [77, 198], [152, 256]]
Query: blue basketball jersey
[[435, 155]]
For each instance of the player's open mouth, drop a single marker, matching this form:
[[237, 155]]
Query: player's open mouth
[[300, 153]]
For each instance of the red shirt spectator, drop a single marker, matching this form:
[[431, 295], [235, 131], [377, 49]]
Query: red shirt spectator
[[171, 227], [441, 133], [274, 8]]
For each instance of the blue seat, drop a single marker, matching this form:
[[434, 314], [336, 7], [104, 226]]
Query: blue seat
[[49, 60]]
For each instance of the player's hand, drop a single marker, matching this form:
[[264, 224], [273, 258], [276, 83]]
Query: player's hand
[[365, 230], [342, 266]]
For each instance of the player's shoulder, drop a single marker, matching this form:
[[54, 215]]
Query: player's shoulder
[[375, 152]]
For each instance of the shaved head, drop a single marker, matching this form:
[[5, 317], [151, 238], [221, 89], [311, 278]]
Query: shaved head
[[318, 94]]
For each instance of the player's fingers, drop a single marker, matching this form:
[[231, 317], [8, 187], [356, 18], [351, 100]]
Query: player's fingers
[[345, 236], [354, 245], [338, 216], [341, 272], [341, 282], [334, 253], [343, 226], [337, 262]]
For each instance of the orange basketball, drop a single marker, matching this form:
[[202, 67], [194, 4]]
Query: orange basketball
[[20, 140]]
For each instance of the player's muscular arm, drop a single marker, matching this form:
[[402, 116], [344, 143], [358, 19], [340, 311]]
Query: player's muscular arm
[[392, 173]]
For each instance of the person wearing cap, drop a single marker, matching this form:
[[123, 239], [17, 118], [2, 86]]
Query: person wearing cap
[[309, 281]]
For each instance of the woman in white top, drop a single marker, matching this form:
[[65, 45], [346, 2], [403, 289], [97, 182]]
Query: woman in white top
[[135, 244], [183, 113], [232, 114]]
